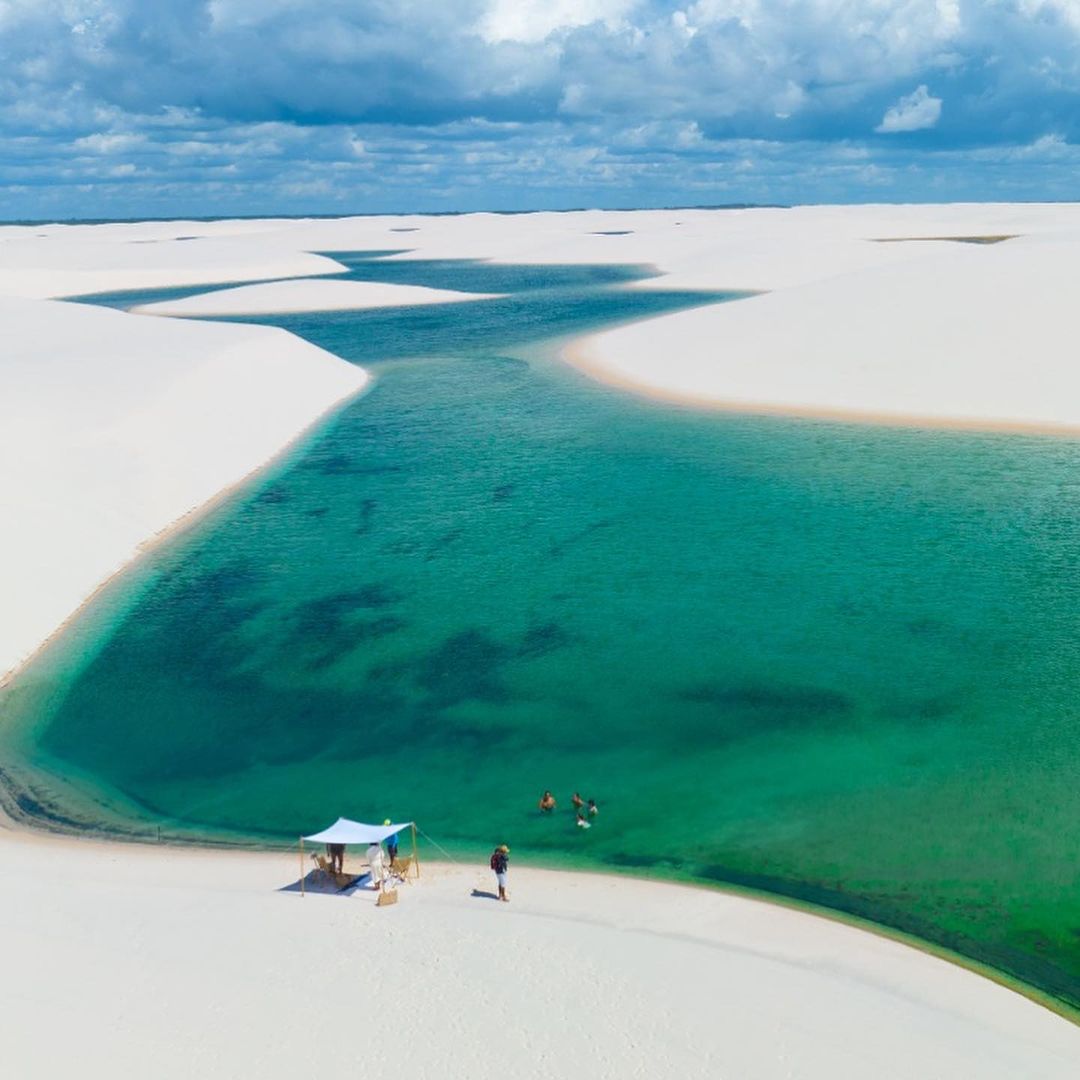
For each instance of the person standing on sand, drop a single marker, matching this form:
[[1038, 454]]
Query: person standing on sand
[[375, 864], [500, 863], [337, 857]]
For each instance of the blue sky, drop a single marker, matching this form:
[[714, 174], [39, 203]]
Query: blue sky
[[172, 107]]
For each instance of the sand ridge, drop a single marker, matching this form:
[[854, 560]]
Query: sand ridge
[[306, 294]]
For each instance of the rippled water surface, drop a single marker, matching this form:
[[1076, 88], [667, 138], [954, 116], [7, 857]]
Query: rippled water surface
[[835, 662]]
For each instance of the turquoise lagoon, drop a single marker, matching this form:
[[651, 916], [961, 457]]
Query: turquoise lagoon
[[832, 662]]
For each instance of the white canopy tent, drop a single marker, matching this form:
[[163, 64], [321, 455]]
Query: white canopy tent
[[346, 831]]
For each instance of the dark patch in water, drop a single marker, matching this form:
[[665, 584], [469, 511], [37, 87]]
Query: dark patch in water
[[273, 496], [502, 492], [640, 862], [466, 667], [339, 464], [367, 514], [931, 707], [543, 639], [319, 512], [795, 700], [441, 543], [327, 611], [221, 584], [732, 712], [406, 546], [353, 634], [325, 629], [559, 548]]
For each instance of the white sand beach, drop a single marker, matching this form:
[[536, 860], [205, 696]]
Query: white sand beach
[[189, 962], [114, 426], [306, 294]]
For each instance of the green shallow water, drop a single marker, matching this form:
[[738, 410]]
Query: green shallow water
[[833, 662]]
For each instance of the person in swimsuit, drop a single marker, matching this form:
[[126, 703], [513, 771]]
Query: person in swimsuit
[[547, 803]]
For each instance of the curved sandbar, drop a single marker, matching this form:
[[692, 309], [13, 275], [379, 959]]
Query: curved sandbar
[[282, 297], [72, 260], [141, 949], [967, 334]]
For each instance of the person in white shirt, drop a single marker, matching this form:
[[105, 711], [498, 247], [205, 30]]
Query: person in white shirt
[[375, 862]]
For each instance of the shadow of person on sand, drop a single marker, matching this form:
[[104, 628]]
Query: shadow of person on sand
[[483, 894]]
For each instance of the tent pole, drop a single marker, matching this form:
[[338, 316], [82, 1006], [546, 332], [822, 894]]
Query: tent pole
[[415, 857], [301, 866]]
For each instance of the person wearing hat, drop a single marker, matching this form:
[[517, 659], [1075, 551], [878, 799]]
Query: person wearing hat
[[500, 863], [391, 845]]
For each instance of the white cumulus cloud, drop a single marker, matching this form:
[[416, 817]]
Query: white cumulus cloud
[[534, 20], [913, 112]]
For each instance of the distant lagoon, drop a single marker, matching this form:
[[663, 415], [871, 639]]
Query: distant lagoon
[[830, 662]]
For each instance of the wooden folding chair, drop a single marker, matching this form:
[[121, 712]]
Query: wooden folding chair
[[401, 867]]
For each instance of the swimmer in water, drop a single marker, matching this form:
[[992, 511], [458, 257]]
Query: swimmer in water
[[547, 803]]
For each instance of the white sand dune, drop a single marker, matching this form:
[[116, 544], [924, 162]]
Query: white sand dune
[[63, 261], [186, 963], [961, 334], [113, 427], [311, 294], [126, 960]]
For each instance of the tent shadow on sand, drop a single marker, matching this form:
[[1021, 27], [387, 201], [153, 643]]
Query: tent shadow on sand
[[316, 882]]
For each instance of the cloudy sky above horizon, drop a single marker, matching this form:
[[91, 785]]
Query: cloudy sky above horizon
[[169, 107]]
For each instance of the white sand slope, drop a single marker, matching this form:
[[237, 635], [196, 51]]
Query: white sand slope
[[983, 335], [311, 294], [113, 427], [62, 261], [194, 962]]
